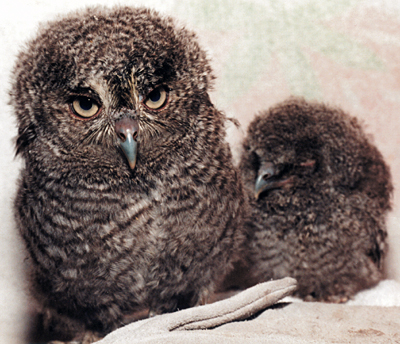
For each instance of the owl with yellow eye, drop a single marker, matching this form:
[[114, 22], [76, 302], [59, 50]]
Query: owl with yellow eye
[[128, 199]]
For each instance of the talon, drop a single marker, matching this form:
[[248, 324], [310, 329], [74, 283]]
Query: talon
[[203, 297], [153, 313]]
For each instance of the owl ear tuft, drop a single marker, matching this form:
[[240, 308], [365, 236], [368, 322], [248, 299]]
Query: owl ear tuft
[[25, 137]]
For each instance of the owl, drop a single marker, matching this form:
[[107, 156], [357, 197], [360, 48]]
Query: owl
[[127, 199], [320, 192]]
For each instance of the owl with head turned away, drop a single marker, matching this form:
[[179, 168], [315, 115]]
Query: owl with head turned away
[[320, 193], [127, 199]]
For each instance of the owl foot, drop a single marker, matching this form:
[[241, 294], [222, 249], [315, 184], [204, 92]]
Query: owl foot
[[328, 299], [337, 299], [153, 313], [204, 297], [88, 338]]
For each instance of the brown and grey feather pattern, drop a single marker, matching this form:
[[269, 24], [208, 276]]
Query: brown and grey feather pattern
[[321, 191], [107, 233]]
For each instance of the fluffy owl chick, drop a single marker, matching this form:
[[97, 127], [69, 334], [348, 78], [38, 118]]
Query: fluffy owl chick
[[128, 198], [320, 194]]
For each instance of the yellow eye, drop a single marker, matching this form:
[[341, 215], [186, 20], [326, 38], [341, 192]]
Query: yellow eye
[[85, 107], [157, 98]]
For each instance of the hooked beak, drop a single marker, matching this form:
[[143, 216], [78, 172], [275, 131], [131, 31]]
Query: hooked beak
[[268, 180], [263, 182], [127, 130]]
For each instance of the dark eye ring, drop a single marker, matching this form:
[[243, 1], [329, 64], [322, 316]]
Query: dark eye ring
[[85, 107], [157, 98]]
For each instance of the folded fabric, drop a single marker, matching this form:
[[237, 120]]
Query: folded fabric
[[238, 307]]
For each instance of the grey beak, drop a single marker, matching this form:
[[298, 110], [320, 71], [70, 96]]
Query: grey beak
[[262, 184], [268, 179], [127, 130]]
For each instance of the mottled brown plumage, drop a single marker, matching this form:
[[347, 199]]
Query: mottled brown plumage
[[321, 191], [128, 198]]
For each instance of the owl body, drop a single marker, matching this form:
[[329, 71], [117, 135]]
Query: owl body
[[322, 191], [128, 198]]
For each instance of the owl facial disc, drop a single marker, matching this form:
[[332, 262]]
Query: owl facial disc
[[127, 130]]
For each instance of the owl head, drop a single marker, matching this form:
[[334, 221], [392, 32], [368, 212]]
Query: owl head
[[108, 87], [298, 145]]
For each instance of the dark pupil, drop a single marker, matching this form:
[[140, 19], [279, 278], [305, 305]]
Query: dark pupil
[[155, 96], [86, 104]]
